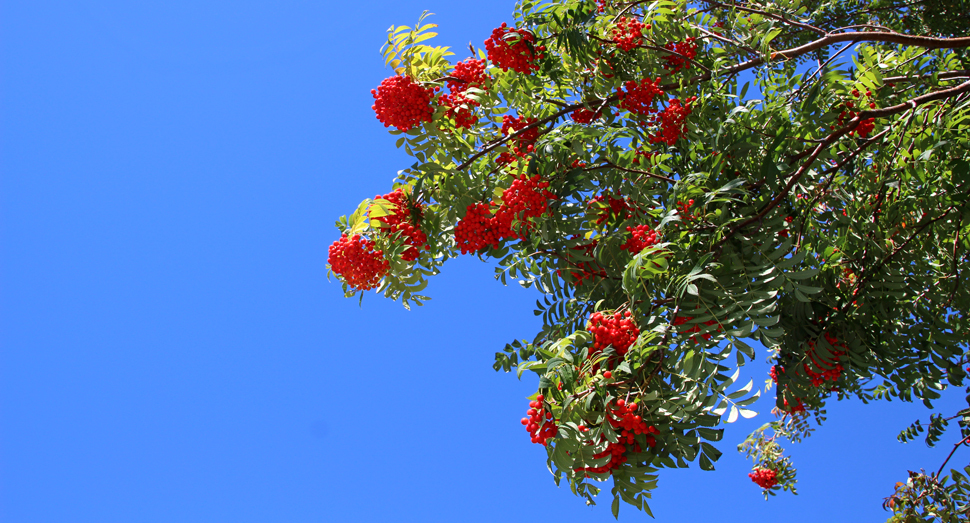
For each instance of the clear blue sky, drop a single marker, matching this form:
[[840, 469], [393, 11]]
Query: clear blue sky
[[171, 347]]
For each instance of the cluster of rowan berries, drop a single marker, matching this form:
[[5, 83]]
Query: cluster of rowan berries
[[686, 49], [523, 143], [628, 33], [614, 329], [526, 198], [585, 116], [588, 269], [616, 452], [402, 102], [405, 221], [765, 478], [784, 233], [600, 5], [641, 237], [625, 418], [673, 121], [539, 422], [615, 207], [357, 261], [511, 48], [830, 370], [479, 229], [630, 425], [645, 154], [680, 320], [864, 127], [796, 405], [460, 109], [638, 97], [683, 209], [467, 73]]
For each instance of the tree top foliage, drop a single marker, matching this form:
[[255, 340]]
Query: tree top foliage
[[678, 179]]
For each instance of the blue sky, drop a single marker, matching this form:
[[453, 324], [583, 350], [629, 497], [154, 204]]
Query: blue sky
[[171, 349]]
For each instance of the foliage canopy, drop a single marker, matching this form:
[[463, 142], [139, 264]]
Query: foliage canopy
[[609, 154]]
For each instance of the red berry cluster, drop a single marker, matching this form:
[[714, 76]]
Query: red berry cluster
[[680, 320], [523, 142], [625, 418], [646, 154], [525, 198], [601, 5], [788, 220], [460, 109], [865, 127], [765, 478], [630, 426], [683, 209], [831, 370], [402, 102], [540, 424], [479, 229], [673, 121], [628, 33], [615, 207], [641, 237], [638, 97], [616, 452], [467, 73], [615, 329], [797, 407], [585, 116], [511, 48], [687, 49], [512, 124], [357, 262], [406, 222], [586, 270]]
